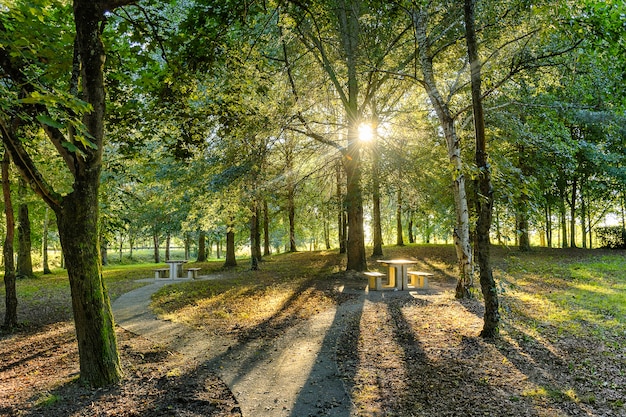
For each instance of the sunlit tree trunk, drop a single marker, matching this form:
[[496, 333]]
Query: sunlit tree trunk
[[399, 237], [461, 230], [348, 14], [377, 232]]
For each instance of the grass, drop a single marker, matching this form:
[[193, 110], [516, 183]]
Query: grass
[[583, 294]]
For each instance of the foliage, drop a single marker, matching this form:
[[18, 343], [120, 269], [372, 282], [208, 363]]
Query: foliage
[[612, 237]]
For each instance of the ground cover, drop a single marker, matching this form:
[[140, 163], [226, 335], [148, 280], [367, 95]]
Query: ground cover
[[561, 351]]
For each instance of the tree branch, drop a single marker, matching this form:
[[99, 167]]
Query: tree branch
[[27, 168]]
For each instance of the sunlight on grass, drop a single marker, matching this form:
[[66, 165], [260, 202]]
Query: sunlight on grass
[[572, 295]]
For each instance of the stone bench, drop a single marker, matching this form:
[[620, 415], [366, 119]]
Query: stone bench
[[418, 279], [375, 280], [161, 273], [192, 273]]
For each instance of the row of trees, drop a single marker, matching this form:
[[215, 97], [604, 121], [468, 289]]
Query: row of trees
[[234, 118]]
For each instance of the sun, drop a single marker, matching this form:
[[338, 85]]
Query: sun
[[366, 133]]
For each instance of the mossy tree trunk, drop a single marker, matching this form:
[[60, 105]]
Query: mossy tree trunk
[[24, 258], [77, 212], [78, 231]]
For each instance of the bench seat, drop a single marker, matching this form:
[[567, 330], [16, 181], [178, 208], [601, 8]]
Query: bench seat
[[418, 279], [161, 273], [192, 273], [375, 280]]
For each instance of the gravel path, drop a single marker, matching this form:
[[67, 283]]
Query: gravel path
[[293, 375]]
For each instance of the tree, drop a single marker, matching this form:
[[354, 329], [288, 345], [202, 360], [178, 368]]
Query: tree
[[24, 258], [10, 317], [77, 211], [485, 192]]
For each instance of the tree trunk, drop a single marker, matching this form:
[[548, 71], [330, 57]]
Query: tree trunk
[[168, 241], [348, 16], [255, 248], [583, 214], [155, 243], [485, 198], [78, 229], [202, 247], [562, 219], [187, 246], [355, 247], [291, 211], [104, 251], [410, 228], [266, 229], [399, 237], [377, 249], [24, 258], [230, 246], [10, 316], [341, 230], [461, 230], [573, 214], [44, 242], [548, 214]]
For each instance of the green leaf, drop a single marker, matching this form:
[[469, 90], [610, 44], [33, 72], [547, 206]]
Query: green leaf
[[70, 146], [47, 120]]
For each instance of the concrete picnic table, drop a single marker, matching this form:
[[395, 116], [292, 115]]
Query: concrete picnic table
[[397, 272], [175, 268]]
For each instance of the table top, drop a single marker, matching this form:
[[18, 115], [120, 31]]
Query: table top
[[396, 261], [176, 262]]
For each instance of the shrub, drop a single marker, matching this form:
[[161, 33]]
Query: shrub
[[612, 237]]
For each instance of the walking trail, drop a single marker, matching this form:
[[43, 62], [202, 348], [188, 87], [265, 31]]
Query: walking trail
[[293, 375]]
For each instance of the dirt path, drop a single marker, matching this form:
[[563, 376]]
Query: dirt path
[[292, 375]]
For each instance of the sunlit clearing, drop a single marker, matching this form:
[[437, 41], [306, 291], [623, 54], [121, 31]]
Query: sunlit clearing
[[366, 133]]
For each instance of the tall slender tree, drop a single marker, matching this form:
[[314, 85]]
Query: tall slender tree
[[10, 317]]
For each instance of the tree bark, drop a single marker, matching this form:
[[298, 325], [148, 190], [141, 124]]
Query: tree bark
[[341, 230], [44, 242], [202, 247], [266, 229], [399, 237], [461, 230], [155, 244], [572, 232], [377, 249], [230, 260], [10, 316], [291, 212], [255, 247], [485, 198], [24, 258], [348, 16]]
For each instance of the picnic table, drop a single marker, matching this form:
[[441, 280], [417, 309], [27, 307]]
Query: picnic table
[[176, 268], [397, 272]]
